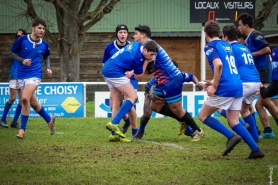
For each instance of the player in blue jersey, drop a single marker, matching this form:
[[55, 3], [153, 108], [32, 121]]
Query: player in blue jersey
[[224, 92], [241, 39], [272, 89], [149, 86], [260, 50], [248, 74], [13, 87], [169, 85], [110, 50], [133, 57], [29, 51]]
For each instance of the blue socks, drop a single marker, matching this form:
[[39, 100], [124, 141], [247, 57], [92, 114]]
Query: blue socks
[[44, 114], [17, 113], [189, 129], [218, 126], [125, 108], [24, 120], [267, 130], [6, 110], [134, 131], [223, 113], [142, 126], [244, 134], [253, 131], [127, 123]]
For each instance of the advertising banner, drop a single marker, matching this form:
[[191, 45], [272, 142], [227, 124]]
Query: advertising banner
[[191, 101], [60, 99]]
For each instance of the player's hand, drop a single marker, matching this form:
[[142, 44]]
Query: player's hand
[[200, 86], [129, 73], [49, 72], [211, 90], [27, 62], [207, 83]]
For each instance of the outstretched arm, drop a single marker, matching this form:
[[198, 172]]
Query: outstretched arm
[[196, 82], [47, 64]]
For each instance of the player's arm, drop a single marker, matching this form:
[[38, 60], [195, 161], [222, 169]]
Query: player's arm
[[106, 56], [192, 78], [217, 63], [196, 82], [264, 51], [14, 56], [139, 76], [47, 64], [260, 42]]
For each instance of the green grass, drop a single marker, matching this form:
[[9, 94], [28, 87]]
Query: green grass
[[80, 153]]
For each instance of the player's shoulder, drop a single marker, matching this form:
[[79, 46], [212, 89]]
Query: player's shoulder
[[257, 35], [111, 44], [275, 49], [44, 42]]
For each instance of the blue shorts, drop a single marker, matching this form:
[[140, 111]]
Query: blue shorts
[[172, 90], [134, 83], [274, 97]]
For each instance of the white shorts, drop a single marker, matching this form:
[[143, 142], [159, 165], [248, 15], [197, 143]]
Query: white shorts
[[116, 82], [249, 91], [13, 84], [23, 82], [226, 103]]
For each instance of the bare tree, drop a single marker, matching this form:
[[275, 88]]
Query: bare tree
[[264, 13], [74, 18]]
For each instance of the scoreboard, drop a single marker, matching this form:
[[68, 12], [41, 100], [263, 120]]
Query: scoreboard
[[221, 11]]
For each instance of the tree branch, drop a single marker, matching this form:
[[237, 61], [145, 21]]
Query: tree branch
[[30, 12], [84, 8], [98, 13], [264, 14]]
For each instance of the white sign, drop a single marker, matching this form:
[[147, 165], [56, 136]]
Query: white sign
[[191, 101]]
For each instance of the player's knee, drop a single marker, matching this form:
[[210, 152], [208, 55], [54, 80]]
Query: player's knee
[[11, 100], [24, 101], [258, 106], [244, 112], [147, 113], [202, 117]]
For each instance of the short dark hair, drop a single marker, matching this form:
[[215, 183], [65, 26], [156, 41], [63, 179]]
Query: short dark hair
[[212, 28], [151, 46], [38, 21], [24, 32], [144, 29], [246, 19], [231, 32]]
